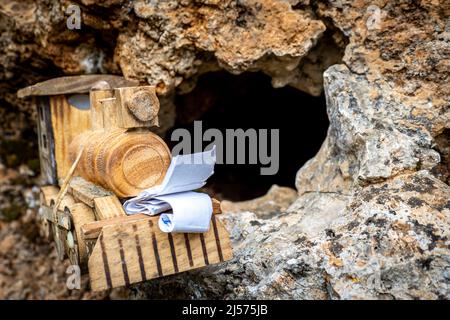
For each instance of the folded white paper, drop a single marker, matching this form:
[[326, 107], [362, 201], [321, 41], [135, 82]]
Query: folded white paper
[[191, 211]]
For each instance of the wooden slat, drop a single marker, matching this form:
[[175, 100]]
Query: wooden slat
[[67, 123], [73, 84], [46, 142], [65, 183], [96, 98], [49, 193], [111, 115], [108, 207], [137, 251], [61, 218], [67, 201], [199, 258], [86, 191], [81, 214], [92, 230]]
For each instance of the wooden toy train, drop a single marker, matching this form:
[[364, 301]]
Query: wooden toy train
[[96, 149]]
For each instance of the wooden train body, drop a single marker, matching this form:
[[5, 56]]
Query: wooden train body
[[96, 148]]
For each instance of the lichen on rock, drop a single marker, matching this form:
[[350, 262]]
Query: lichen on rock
[[370, 219]]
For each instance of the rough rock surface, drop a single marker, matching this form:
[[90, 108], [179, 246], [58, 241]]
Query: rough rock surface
[[277, 200], [388, 240], [371, 219]]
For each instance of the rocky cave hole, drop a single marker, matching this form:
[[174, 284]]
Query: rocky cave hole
[[225, 101]]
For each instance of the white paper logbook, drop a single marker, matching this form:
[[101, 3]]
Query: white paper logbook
[[181, 209]]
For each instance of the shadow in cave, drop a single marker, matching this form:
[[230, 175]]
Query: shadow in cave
[[225, 101]]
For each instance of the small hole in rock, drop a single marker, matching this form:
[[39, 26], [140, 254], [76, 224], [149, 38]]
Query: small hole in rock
[[225, 101]]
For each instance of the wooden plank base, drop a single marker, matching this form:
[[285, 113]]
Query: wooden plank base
[[108, 207], [91, 231], [136, 251], [120, 250], [86, 191]]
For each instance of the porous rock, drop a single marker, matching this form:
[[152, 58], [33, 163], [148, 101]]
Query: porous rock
[[371, 219]]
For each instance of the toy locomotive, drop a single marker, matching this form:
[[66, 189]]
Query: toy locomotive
[[96, 148]]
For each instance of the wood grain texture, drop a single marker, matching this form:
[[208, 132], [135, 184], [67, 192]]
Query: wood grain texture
[[67, 123], [112, 117], [48, 193], [60, 217], [108, 207], [86, 191], [61, 222], [136, 161], [66, 201], [125, 162], [46, 142], [73, 84], [137, 251], [91, 231], [137, 106], [81, 214], [65, 184], [98, 101], [130, 107], [69, 218]]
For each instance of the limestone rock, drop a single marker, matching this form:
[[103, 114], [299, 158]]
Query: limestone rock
[[277, 200], [396, 243], [373, 133], [371, 217], [173, 38], [385, 241]]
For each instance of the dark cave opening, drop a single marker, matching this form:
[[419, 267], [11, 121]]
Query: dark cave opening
[[225, 101]]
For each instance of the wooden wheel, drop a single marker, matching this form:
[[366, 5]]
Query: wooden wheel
[[75, 245], [70, 242], [58, 238], [57, 234]]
